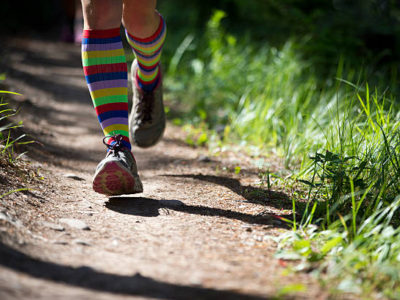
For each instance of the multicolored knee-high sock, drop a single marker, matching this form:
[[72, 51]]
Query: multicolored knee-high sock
[[148, 53], [105, 68]]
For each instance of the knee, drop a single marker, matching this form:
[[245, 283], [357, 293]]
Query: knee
[[102, 14]]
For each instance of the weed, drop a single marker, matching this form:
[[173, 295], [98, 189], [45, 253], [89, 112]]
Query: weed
[[7, 142]]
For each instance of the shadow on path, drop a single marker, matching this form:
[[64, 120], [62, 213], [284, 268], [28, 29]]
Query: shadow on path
[[252, 194], [89, 278], [141, 206]]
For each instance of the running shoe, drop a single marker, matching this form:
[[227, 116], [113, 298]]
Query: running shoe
[[147, 118], [117, 173]]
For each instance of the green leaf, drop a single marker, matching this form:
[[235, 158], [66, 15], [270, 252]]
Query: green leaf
[[202, 140], [329, 245], [291, 288], [8, 92], [302, 247], [14, 191], [237, 170]]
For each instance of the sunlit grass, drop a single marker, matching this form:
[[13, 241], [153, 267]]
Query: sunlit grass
[[339, 137]]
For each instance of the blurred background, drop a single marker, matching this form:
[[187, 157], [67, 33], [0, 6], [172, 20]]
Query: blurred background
[[261, 72], [361, 31]]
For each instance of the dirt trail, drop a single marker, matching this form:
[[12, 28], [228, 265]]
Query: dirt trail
[[197, 232]]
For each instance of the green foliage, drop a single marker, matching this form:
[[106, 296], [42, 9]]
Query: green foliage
[[366, 263], [7, 141], [362, 32], [340, 139], [360, 168], [266, 96]]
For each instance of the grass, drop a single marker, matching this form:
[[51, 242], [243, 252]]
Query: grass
[[338, 136], [8, 140]]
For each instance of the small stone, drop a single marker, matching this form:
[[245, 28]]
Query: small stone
[[203, 158], [258, 238], [75, 223], [171, 203], [81, 242], [114, 243], [249, 229], [60, 243], [53, 226], [75, 177], [5, 217], [88, 212]]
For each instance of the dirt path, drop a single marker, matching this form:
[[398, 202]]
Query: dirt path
[[197, 232]]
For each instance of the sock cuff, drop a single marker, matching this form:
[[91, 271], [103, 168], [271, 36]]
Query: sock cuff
[[101, 33], [148, 86], [160, 30]]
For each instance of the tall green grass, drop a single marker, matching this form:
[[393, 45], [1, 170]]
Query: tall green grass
[[339, 137], [8, 140], [267, 97]]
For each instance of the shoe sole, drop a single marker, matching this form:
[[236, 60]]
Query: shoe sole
[[114, 179]]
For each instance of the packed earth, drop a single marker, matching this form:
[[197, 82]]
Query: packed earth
[[200, 230]]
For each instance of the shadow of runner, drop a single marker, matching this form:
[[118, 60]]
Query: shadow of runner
[[252, 194], [89, 278], [141, 206]]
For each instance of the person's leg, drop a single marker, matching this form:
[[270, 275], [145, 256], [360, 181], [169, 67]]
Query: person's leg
[[145, 31], [105, 69], [146, 34], [104, 64]]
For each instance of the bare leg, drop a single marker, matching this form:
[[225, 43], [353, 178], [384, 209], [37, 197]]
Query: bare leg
[[140, 17], [102, 14]]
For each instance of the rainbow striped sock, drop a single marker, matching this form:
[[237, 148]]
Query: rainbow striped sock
[[106, 73], [148, 53]]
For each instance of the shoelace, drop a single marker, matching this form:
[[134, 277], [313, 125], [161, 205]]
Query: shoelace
[[145, 107], [117, 146]]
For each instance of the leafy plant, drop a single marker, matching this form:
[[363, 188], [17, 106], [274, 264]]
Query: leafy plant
[[7, 142], [340, 139]]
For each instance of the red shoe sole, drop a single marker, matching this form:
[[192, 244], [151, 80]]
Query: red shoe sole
[[114, 179]]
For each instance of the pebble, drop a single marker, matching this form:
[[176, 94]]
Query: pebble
[[75, 177], [5, 217], [53, 226], [89, 213], [258, 238], [60, 243], [203, 158], [171, 203], [75, 223], [81, 242]]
